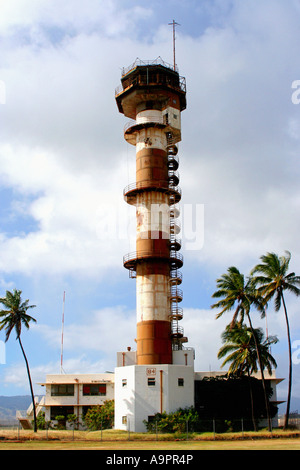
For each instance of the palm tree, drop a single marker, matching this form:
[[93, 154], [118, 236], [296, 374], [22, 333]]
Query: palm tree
[[237, 293], [14, 317], [240, 345], [240, 349], [273, 280]]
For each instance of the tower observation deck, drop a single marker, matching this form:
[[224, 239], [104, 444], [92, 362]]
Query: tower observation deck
[[152, 95]]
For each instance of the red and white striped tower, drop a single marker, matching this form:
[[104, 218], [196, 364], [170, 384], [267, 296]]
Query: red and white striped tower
[[153, 95]]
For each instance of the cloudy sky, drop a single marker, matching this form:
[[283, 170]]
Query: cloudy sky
[[64, 226]]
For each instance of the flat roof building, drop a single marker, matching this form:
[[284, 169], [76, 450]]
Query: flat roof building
[[76, 393], [160, 388]]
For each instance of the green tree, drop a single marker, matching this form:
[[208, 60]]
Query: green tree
[[61, 421], [14, 316], [236, 292], [176, 421], [100, 416], [41, 421], [72, 419], [272, 279], [240, 349]]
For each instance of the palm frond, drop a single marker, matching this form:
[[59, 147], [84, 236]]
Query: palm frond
[[293, 289], [277, 301], [15, 316], [239, 349], [270, 265], [284, 262]]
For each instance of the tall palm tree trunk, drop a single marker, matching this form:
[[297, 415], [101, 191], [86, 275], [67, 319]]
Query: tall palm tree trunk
[[30, 383], [251, 400], [287, 414], [262, 375]]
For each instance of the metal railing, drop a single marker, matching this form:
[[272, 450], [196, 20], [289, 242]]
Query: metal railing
[[175, 243], [176, 330], [139, 62], [174, 211], [176, 314], [175, 277], [153, 185], [174, 256], [173, 162], [173, 177], [134, 124], [175, 226], [181, 85], [176, 294]]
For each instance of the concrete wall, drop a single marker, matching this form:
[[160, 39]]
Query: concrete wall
[[142, 391]]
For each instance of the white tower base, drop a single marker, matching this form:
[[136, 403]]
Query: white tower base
[[144, 390]]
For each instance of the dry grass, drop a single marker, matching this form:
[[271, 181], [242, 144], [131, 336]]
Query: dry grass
[[121, 440]]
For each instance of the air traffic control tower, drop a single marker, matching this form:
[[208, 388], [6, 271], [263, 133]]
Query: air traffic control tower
[[153, 95]]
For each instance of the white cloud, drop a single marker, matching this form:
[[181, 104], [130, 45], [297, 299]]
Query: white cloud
[[79, 222], [106, 331], [239, 152], [109, 17], [17, 377], [204, 335], [89, 344]]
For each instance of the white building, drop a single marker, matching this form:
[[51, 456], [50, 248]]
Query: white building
[[76, 393], [141, 391]]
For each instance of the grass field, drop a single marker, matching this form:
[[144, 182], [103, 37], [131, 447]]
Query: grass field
[[117, 441], [264, 444]]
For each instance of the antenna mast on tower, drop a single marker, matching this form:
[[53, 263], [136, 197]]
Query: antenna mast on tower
[[174, 24]]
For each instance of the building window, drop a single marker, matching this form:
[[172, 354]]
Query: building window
[[93, 390], [151, 381], [61, 411], [124, 419], [62, 390], [180, 382], [124, 382]]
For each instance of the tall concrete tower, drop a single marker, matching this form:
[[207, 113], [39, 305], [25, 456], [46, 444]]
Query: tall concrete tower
[[159, 375], [153, 95]]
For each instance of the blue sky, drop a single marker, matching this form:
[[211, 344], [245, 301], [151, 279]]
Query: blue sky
[[64, 163]]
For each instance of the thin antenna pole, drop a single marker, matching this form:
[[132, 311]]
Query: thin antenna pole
[[174, 24], [62, 334]]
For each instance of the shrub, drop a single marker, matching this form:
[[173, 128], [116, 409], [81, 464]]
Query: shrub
[[100, 416], [61, 421], [175, 422]]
